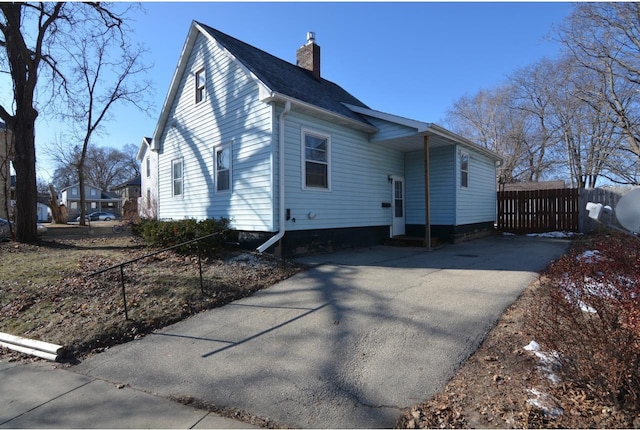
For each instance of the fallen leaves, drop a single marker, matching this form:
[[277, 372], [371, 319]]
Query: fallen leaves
[[64, 306]]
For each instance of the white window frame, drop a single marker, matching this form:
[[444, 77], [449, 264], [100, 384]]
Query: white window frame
[[148, 166], [303, 158], [74, 191], [464, 173], [216, 171], [200, 92], [174, 163]]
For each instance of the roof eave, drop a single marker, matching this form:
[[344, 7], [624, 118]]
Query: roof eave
[[444, 133], [173, 87], [318, 111], [425, 129], [144, 145]]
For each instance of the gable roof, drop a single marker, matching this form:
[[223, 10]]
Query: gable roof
[[285, 78], [278, 80], [104, 195], [136, 181], [144, 145]]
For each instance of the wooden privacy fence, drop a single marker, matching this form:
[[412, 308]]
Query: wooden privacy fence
[[538, 211]]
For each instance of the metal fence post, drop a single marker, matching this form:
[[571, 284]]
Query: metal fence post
[[124, 293]]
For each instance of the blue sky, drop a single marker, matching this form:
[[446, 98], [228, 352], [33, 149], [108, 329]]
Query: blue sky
[[408, 59]]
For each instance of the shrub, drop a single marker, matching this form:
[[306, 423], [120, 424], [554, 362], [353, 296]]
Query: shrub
[[589, 313], [164, 234]]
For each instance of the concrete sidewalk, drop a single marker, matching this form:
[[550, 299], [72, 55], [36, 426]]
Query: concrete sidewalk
[[346, 344], [42, 395]]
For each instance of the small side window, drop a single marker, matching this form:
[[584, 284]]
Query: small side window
[[200, 85], [464, 170], [177, 176], [223, 168], [148, 167]]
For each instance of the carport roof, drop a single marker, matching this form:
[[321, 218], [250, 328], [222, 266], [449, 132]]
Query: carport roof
[[411, 136]]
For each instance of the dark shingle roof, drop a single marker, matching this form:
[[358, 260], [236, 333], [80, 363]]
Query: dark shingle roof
[[288, 79]]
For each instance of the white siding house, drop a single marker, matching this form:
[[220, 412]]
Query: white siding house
[[148, 200], [296, 162]]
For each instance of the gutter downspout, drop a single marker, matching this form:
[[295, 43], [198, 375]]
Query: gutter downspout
[[277, 237]]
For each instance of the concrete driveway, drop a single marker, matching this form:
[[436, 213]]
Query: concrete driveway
[[346, 344]]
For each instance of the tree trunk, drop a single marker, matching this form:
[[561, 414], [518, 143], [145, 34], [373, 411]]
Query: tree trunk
[[83, 210], [25, 165], [59, 216]]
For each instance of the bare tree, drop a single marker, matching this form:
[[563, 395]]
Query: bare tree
[[104, 167], [487, 119], [30, 34], [532, 91], [604, 38], [106, 66]]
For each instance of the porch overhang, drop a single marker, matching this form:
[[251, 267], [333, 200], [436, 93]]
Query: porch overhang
[[408, 135]]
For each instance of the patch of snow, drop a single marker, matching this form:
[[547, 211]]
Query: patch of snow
[[504, 233], [590, 256], [554, 234], [545, 403], [532, 346], [586, 308], [549, 362]]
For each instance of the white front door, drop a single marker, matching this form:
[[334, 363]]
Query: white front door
[[397, 197]]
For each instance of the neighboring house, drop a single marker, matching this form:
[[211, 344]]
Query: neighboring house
[[294, 160], [96, 200], [5, 170], [129, 194], [44, 212], [148, 202], [130, 190]]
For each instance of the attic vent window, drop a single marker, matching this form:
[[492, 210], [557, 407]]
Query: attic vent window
[[200, 85]]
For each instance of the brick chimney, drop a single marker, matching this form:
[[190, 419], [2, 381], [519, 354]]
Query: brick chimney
[[308, 56]]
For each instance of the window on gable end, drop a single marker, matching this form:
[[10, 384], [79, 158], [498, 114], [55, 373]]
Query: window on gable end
[[177, 176], [223, 168], [148, 167], [200, 85], [464, 169], [316, 167]]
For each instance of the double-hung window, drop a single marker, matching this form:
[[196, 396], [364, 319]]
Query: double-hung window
[[177, 175], [316, 167], [223, 168], [464, 169], [200, 85]]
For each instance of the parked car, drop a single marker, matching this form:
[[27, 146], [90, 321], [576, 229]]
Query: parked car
[[99, 216], [5, 229]]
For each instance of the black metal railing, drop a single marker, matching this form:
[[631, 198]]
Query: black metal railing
[[121, 266]]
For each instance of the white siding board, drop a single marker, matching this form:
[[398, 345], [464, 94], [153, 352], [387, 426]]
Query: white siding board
[[477, 203], [414, 186], [230, 113], [359, 185], [441, 184]]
